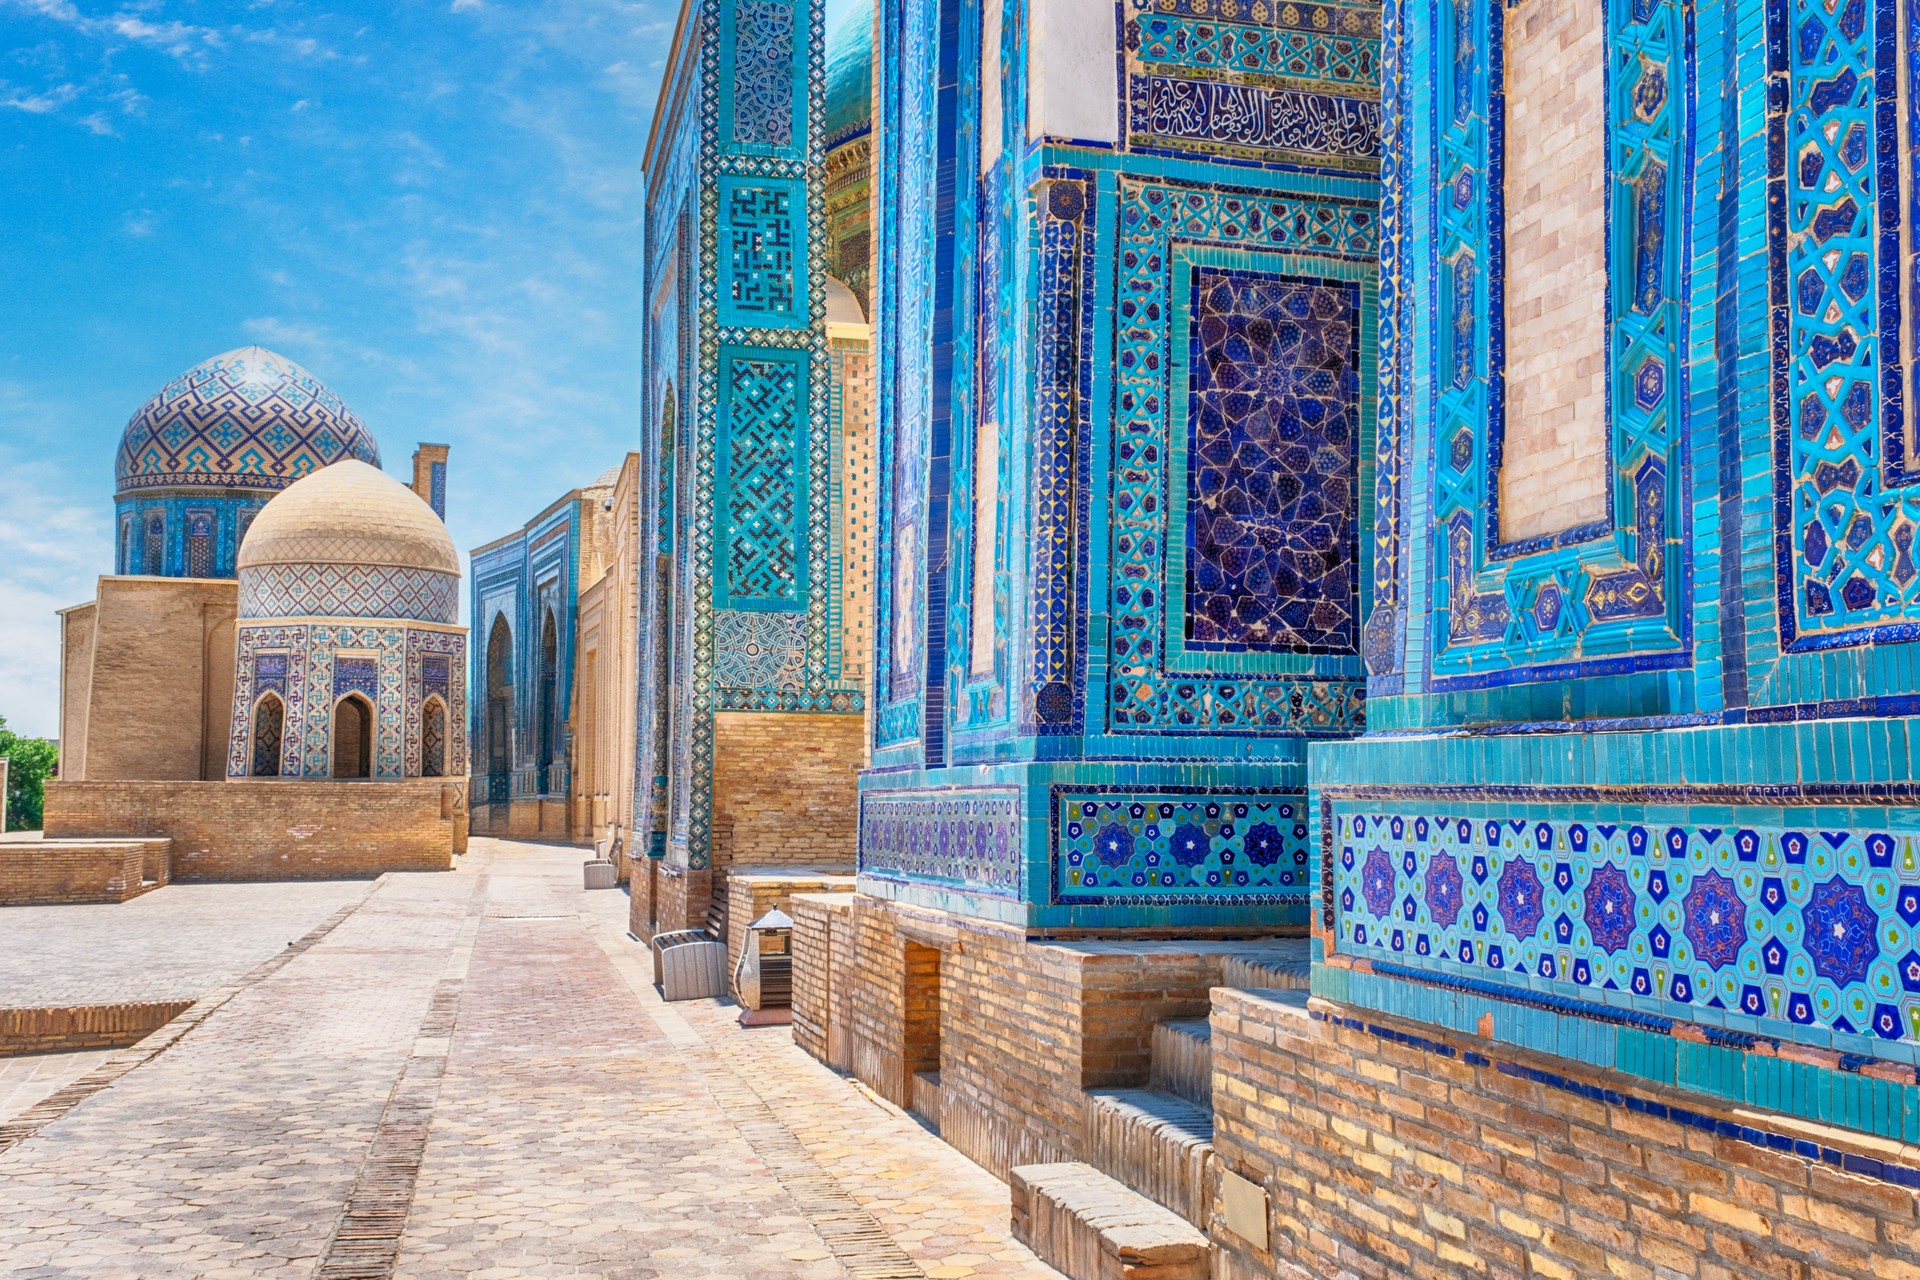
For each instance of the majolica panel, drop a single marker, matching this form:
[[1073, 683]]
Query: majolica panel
[[1601, 597]]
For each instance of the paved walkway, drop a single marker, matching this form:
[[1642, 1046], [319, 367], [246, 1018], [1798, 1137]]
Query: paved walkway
[[176, 943], [469, 1075]]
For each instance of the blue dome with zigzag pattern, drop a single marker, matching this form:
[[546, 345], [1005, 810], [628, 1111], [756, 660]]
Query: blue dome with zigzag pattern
[[245, 419]]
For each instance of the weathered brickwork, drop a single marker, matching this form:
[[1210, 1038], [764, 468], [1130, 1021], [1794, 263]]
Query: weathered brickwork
[[1392, 1149], [1553, 471], [752, 892], [36, 872], [783, 789], [64, 1028], [1023, 1028], [149, 663], [261, 829], [822, 1003]]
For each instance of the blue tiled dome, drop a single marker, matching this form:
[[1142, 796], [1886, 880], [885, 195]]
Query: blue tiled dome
[[248, 419], [850, 75]]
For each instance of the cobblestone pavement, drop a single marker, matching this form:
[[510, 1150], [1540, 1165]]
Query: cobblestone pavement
[[570, 1125], [175, 943], [26, 1080]]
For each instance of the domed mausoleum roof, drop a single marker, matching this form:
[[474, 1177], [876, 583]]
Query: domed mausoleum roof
[[349, 515], [248, 418], [850, 75]]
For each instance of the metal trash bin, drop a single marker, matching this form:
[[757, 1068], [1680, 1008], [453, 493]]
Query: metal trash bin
[[689, 965], [600, 873], [764, 976]]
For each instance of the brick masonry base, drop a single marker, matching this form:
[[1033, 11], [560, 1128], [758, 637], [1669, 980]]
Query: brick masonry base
[[37, 872], [1394, 1149], [262, 829], [1018, 1030], [59, 1029]]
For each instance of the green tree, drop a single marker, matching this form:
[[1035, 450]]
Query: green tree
[[29, 762]]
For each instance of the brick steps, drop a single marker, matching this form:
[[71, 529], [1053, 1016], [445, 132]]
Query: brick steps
[[1275, 967], [1158, 1144], [1183, 1060], [1086, 1225]]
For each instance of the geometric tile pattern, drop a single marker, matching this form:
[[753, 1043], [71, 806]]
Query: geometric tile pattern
[[763, 73], [247, 417], [1174, 845], [1812, 929], [1274, 419], [760, 277], [1165, 226], [754, 650], [1506, 611], [349, 591], [970, 838], [1846, 493], [765, 481]]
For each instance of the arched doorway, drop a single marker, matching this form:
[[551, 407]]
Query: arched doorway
[[156, 545], [433, 738], [352, 737], [269, 726], [499, 711], [544, 703]]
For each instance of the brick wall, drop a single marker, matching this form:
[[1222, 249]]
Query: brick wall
[[1554, 472], [36, 871], [156, 692], [1025, 1028], [62, 1029], [268, 829], [783, 789], [681, 898], [822, 941], [751, 895], [1392, 1149]]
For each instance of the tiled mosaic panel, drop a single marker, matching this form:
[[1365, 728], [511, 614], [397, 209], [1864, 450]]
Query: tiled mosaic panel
[[1590, 592], [1167, 847], [193, 534], [763, 73], [1848, 504], [349, 591], [759, 241], [246, 417], [1813, 929], [269, 724], [1145, 697], [764, 478], [1272, 502], [1056, 642], [759, 650], [969, 838], [1268, 82]]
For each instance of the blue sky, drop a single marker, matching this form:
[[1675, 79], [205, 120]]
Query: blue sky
[[435, 207]]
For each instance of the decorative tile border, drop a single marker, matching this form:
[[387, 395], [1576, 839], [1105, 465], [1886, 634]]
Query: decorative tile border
[[1174, 845], [965, 838]]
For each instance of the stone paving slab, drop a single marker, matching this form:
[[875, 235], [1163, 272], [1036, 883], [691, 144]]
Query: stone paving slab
[[26, 1079], [475, 1063], [178, 942]]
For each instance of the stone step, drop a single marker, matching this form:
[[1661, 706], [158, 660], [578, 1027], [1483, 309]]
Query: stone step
[[1089, 1227], [1183, 1060], [1282, 966], [1157, 1143]]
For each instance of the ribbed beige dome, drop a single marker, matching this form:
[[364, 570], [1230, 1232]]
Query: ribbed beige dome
[[349, 514]]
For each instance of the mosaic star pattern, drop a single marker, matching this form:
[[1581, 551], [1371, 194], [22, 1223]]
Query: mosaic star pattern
[[1272, 505], [1172, 846], [1806, 928]]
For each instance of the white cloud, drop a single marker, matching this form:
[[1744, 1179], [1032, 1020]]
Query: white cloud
[[53, 543]]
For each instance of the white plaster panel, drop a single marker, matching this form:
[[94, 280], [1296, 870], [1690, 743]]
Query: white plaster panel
[[1073, 90]]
